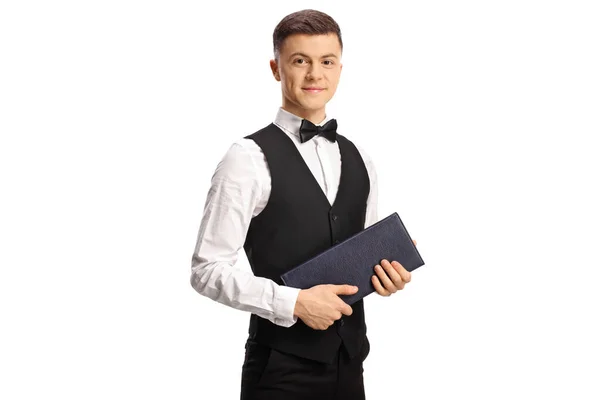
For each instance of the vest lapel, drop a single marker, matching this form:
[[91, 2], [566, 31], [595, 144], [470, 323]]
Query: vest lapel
[[292, 149]]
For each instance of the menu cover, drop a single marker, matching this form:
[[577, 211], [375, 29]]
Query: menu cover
[[353, 261]]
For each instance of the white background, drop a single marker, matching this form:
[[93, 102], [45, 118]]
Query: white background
[[481, 118]]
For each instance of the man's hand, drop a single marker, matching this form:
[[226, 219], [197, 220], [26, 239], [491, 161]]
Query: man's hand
[[319, 307], [390, 277]]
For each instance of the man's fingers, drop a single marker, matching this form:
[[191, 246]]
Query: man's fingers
[[414, 241], [384, 278], [404, 274], [393, 274], [380, 289], [344, 289], [346, 309]]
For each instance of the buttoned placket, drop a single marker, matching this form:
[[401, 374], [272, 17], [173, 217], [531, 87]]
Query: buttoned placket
[[326, 167]]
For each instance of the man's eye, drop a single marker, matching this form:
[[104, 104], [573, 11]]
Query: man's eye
[[300, 61], [328, 62]]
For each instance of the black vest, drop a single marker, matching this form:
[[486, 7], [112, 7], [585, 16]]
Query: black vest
[[298, 223]]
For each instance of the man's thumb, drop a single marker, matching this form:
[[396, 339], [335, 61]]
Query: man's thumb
[[345, 289]]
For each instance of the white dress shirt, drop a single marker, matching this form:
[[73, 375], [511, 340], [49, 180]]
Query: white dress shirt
[[239, 191]]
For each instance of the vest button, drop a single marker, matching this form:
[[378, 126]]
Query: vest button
[[334, 217], [342, 321], [336, 242]]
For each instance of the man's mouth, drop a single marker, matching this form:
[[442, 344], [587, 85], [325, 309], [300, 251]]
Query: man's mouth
[[313, 89]]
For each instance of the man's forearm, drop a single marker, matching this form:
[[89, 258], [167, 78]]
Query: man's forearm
[[244, 291]]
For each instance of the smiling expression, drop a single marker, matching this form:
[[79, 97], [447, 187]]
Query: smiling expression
[[308, 68]]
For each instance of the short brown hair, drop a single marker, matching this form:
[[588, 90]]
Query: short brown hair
[[311, 22]]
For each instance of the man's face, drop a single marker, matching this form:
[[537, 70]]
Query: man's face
[[309, 68]]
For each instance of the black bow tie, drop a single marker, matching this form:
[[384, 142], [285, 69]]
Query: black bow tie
[[308, 130]]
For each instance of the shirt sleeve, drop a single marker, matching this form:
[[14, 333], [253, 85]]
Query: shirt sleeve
[[231, 201], [372, 202]]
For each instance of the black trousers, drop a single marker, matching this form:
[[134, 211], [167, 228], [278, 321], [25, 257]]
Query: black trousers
[[268, 374]]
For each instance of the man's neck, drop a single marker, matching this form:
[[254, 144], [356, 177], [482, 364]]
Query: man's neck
[[314, 116]]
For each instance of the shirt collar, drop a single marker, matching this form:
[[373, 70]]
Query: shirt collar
[[290, 123]]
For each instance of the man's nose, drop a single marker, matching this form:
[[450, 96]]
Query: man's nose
[[315, 72]]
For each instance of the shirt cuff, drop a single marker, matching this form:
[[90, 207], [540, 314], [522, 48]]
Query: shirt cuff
[[285, 303]]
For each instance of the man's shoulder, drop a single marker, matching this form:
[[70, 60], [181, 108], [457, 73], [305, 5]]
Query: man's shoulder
[[245, 146], [239, 161], [250, 143], [261, 132]]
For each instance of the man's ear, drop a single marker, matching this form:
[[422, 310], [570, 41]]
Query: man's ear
[[275, 70]]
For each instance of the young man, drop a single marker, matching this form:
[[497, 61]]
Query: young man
[[286, 193]]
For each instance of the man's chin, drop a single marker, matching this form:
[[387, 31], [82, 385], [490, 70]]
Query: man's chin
[[314, 105]]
